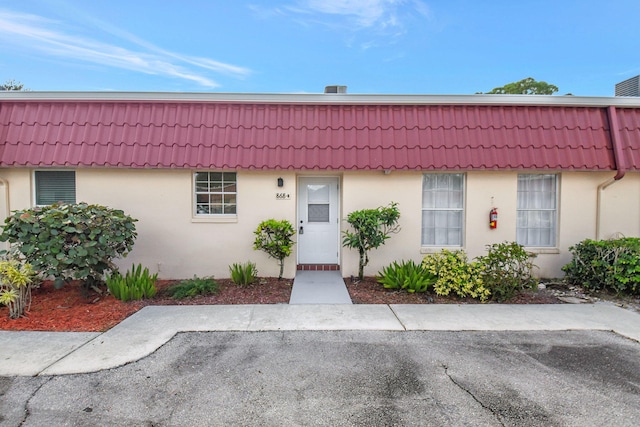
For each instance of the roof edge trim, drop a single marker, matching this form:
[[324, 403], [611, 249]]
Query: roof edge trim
[[365, 99]]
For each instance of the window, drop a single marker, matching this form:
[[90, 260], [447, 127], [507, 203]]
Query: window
[[216, 193], [537, 210], [55, 186], [442, 209], [318, 202]]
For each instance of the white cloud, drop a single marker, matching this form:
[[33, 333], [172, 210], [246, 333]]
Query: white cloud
[[37, 33], [364, 14]]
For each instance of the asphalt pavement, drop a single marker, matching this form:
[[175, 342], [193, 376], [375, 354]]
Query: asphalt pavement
[[333, 365], [348, 378]]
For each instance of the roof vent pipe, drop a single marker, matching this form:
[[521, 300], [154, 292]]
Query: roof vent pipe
[[335, 89]]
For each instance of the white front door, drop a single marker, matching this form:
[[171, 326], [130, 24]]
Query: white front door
[[318, 221]]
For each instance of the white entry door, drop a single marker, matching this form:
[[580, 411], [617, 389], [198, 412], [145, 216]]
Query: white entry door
[[318, 222]]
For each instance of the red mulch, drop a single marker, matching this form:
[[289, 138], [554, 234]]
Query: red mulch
[[369, 291], [71, 309]]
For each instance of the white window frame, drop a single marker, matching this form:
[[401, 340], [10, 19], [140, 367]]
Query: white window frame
[[229, 210], [434, 243], [544, 213], [37, 190]]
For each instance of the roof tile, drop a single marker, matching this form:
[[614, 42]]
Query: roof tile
[[241, 135]]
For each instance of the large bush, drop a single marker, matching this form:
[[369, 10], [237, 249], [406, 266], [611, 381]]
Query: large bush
[[455, 273], [507, 269], [71, 241], [606, 264]]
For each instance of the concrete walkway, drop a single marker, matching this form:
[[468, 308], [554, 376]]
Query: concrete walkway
[[51, 353], [319, 287]]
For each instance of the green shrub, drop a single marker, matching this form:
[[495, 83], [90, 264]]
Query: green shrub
[[407, 275], [456, 274], [70, 241], [243, 274], [371, 228], [606, 264], [193, 287], [16, 282], [274, 238], [506, 269], [136, 284]]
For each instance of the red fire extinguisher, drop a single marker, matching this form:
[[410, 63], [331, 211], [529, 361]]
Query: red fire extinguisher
[[493, 218]]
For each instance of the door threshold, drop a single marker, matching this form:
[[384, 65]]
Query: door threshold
[[318, 267]]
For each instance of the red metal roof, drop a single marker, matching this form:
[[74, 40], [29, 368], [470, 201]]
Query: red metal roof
[[251, 135]]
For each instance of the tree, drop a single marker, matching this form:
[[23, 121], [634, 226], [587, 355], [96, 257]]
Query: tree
[[371, 228], [528, 86], [274, 238], [12, 85]]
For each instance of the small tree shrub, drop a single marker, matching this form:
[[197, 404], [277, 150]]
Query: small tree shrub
[[243, 274], [606, 264], [71, 241], [16, 282], [371, 228], [275, 238], [506, 269], [134, 285], [407, 275], [192, 287], [456, 274]]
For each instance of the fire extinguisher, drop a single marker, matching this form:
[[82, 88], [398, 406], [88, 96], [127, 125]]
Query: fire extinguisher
[[493, 218]]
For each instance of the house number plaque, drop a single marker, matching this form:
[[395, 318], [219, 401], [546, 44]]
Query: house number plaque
[[283, 196]]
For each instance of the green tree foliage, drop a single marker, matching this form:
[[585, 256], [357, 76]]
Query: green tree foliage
[[528, 86], [371, 228], [12, 85], [71, 241], [275, 238]]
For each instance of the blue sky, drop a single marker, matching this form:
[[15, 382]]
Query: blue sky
[[299, 46]]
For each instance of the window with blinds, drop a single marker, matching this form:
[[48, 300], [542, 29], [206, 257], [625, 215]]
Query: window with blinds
[[55, 186]]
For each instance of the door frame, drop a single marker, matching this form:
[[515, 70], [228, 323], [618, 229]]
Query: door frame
[[338, 200]]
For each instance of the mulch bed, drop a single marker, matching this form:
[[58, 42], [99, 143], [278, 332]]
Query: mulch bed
[[369, 291], [73, 309]]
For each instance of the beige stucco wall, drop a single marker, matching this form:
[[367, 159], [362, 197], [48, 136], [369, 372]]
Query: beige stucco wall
[[177, 245], [174, 242]]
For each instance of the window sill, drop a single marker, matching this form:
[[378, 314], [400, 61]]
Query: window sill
[[215, 219], [436, 249], [539, 251]]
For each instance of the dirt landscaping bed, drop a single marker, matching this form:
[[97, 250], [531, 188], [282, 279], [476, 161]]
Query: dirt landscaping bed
[[71, 309]]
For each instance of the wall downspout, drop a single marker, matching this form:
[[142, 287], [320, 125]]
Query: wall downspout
[[6, 212], [619, 161]]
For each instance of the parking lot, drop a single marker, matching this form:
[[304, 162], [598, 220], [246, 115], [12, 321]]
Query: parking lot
[[340, 378]]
